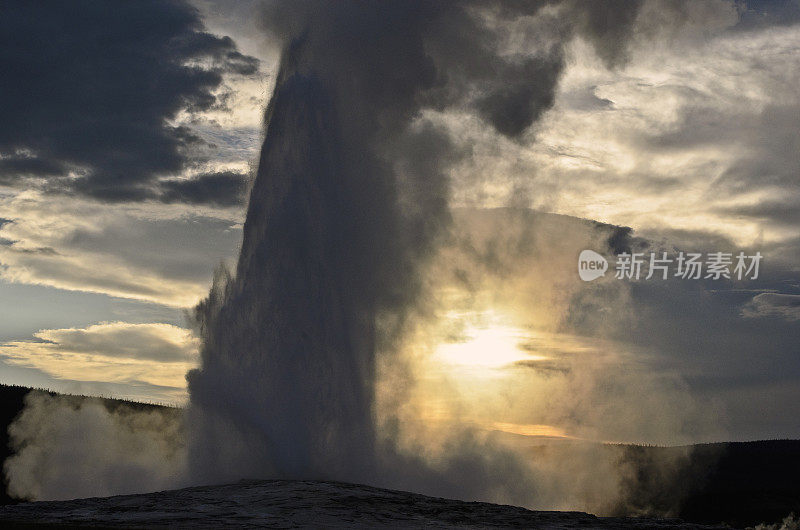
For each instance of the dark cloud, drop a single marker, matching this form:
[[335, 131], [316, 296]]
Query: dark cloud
[[13, 168], [772, 150], [510, 92], [785, 212], [756, 14], [725, 338], [543, 366], [608, 25], [89, 87], [512, 109], [516, 89], [226, 188]]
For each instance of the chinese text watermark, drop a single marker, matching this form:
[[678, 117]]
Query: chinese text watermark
[[661, 265]]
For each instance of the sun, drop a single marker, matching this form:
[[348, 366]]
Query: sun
[[492, 344]]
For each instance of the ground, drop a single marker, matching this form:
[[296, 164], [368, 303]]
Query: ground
[[292, 504]]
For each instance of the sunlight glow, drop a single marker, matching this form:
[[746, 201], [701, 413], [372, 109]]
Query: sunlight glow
[[547, 431], [489, 346]]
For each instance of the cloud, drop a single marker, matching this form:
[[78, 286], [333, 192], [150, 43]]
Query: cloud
[[114, 352], [609, 26], [757, 14], [652, 361], [226, 188], [96, 90], [158, 342], [785, 306], [151, 252], [697, 126]]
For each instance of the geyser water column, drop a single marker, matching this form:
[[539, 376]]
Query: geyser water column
[[349, 202], [285, 388]]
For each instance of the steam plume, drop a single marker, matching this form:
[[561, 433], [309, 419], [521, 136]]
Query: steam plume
[[350, 199]]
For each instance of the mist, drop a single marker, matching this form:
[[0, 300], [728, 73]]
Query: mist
[[71, 447]]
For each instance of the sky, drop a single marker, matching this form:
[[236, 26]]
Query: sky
[[134, 133]]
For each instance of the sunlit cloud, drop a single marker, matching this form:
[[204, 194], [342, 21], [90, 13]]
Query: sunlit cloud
[[673, 138], [546, 431], [151, 252], [115, 352], [774, 305]]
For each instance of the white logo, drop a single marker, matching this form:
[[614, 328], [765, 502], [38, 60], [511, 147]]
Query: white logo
[[591, 265]]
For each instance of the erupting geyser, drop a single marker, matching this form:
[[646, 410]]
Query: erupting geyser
[[349, 202], [328, 261]]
